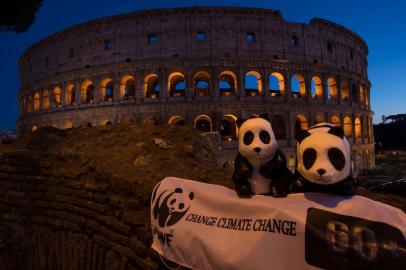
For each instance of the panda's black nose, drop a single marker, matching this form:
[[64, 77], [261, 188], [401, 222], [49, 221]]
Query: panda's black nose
[[257, 149], [321, 171]]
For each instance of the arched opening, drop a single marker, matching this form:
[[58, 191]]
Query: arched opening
[[279, 127], [176, 121], [57, 96], [152, 87], [202, 83], [228, 128], [203, 123], [358, 132], [345, 94], [335, 120], [68, 125], [298, 86], [45, 100], [228, 83], [87, 92], [332, 88], [107, 89], [105, 123], [301, 123], [318, 119], [316, 87], [253, 83], [150, 120], [361, 94], [127, 88], [36, 102], [70, 96], [348, 126], [176, 84], [276, 84], [354, 93]]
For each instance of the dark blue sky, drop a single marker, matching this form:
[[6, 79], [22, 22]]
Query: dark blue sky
[[381, 24]]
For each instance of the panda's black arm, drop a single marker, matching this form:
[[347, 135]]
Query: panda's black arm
[[242, 171]]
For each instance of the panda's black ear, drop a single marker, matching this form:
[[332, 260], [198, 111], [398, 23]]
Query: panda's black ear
[[239, 122], [264, 116], [301, 135], [338, 131]]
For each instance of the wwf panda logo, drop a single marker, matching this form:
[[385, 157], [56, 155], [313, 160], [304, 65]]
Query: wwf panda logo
[[170, 206]]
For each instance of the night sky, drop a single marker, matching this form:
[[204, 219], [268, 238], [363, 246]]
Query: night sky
[[381, 24]]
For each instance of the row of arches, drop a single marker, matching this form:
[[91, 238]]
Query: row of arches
[[201, 84], [354, 127]]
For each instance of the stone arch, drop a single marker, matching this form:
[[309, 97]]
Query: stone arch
[[358, 129], [228, 83], [318, 119], [228, 127], [105, 122], [176, 85], [348, 126], [279, 126], [107, 90], [87, 92], [68, 124], [57, 96], [70, 96], [45, 100], [37, 102], [298, 85], [152, 86], [203, 123], [354, 93], [176, 121], [335, 120], [301, 123], [202, 83], [345, 92], [316, 87], [253, 83], [332, 88], [276, 84], [127, 87]]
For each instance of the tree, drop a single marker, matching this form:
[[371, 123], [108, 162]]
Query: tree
[[18, 15], [383, 119]]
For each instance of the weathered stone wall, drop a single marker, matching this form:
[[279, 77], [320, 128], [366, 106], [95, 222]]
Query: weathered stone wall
[[59, 220]]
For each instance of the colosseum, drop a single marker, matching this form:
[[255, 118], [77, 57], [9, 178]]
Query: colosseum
[[204, 67]]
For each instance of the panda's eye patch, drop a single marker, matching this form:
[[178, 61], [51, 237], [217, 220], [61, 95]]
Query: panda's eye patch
[[309, 157], [264, 136], [181, 206], [248, 137], [337, 158], [172, 201]]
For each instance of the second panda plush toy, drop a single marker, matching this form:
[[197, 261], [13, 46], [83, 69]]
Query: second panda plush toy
[[324, 160], [260, 167]]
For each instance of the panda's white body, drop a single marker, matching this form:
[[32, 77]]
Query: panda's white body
[[324, 160], [259, 184]]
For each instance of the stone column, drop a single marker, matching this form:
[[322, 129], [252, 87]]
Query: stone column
[[139, 87], [163, 80], [241, 84], [78, 92], [288, 86], [96, 91], [265, 82], [339, 92], [214, 83], [189, 87], [116, 89], [308, 83], [324, 85], [63, 94]]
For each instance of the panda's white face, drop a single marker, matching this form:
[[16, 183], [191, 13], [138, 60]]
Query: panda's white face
[[178, 202], [323, 158], [256, 141]]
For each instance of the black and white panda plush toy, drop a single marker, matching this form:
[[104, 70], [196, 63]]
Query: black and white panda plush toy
[[260, 166], [324, 160]]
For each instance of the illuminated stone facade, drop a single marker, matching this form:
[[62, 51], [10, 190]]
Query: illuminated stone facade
[[201, 66]]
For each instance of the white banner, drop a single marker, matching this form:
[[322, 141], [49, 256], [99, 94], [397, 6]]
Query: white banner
[[204, 226]]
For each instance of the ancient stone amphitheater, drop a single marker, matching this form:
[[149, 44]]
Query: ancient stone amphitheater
[[201, 66]]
